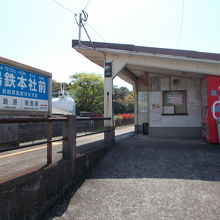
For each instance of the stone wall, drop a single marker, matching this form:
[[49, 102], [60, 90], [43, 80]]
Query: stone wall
[[31, 195]]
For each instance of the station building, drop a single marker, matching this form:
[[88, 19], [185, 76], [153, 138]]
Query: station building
[[173, 89]]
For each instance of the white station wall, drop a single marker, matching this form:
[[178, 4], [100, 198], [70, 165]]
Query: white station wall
[[193, 93], [142, 113]]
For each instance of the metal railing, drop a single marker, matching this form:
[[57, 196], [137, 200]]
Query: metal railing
[[68, 131], [90, 125], [49, 129]]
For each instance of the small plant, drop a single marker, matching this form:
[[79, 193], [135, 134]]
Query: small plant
[[124, 119]]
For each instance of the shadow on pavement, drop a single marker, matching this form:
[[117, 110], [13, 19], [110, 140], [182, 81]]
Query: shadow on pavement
[[88, 147], [143, 157]]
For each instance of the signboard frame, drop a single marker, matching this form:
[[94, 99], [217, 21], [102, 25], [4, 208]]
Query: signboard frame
[[176, 98], [108, 69], [37, 72]]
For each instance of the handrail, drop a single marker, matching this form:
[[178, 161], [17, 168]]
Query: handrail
[[51, 119], [92, 118], [29, 120]]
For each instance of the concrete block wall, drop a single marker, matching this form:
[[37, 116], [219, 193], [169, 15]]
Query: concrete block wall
[[31, 195]]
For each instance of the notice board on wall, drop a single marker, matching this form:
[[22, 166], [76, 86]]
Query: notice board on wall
[[155, 106], [177, 99], [143, 101], [169, 109]]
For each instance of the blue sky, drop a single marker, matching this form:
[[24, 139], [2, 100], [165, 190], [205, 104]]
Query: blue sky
[[39, 32]]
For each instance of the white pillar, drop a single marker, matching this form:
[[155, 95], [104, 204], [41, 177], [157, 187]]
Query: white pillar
[[135, 107], [108, 108], [109, 136], [113, 65]]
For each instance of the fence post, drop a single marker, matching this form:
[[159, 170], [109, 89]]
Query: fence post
[[69, 137], [49, 143], [109, 135]]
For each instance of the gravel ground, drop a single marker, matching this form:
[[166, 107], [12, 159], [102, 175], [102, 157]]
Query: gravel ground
[[147, 178]]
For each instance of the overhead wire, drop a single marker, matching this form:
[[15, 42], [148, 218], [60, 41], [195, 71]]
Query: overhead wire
[[75, 15], [181, 24], [30, 40], [63, 6], [86, 23], [95, 31], [87, 36], [87, 5], [82, 21], [22, 36], [15, 31]]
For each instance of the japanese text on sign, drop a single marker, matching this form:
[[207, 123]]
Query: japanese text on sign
[[22, 90]]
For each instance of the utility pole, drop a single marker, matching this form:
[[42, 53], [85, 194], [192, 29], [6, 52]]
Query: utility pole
[[83, 16], [80, 26]]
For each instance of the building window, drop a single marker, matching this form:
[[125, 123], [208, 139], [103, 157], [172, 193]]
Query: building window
[[174, 102]]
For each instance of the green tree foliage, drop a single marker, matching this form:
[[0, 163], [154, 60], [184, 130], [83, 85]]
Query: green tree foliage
[[56, 86], [89, 89], [123, 100], [119, 93], [129, 102]]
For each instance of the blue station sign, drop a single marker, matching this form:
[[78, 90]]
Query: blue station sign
[[22, 90]]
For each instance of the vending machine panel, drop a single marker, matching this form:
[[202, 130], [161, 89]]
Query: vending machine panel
[[210, 94]]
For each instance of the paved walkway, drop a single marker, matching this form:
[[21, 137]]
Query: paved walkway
[[143, 178]]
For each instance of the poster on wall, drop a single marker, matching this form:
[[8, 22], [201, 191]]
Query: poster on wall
[[165, 83], [144, 79], [195, 95], [22, 90], [143, 102], [108, 69], [169, 109], [174, 98], [154, 84], [155, 107]]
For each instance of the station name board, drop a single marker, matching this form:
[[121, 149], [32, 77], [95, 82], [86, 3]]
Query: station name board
[[22, 90]]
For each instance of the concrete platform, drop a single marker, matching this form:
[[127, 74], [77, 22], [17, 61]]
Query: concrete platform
[[146, 178]]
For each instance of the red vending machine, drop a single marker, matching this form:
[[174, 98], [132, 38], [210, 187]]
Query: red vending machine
[[210, 94]]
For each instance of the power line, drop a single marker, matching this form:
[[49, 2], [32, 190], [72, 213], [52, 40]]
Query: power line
[[95, 31], [63, 6], [87, 5], [37, 44], [81, 19], [22, 36], [181, 23], [80, 23]]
